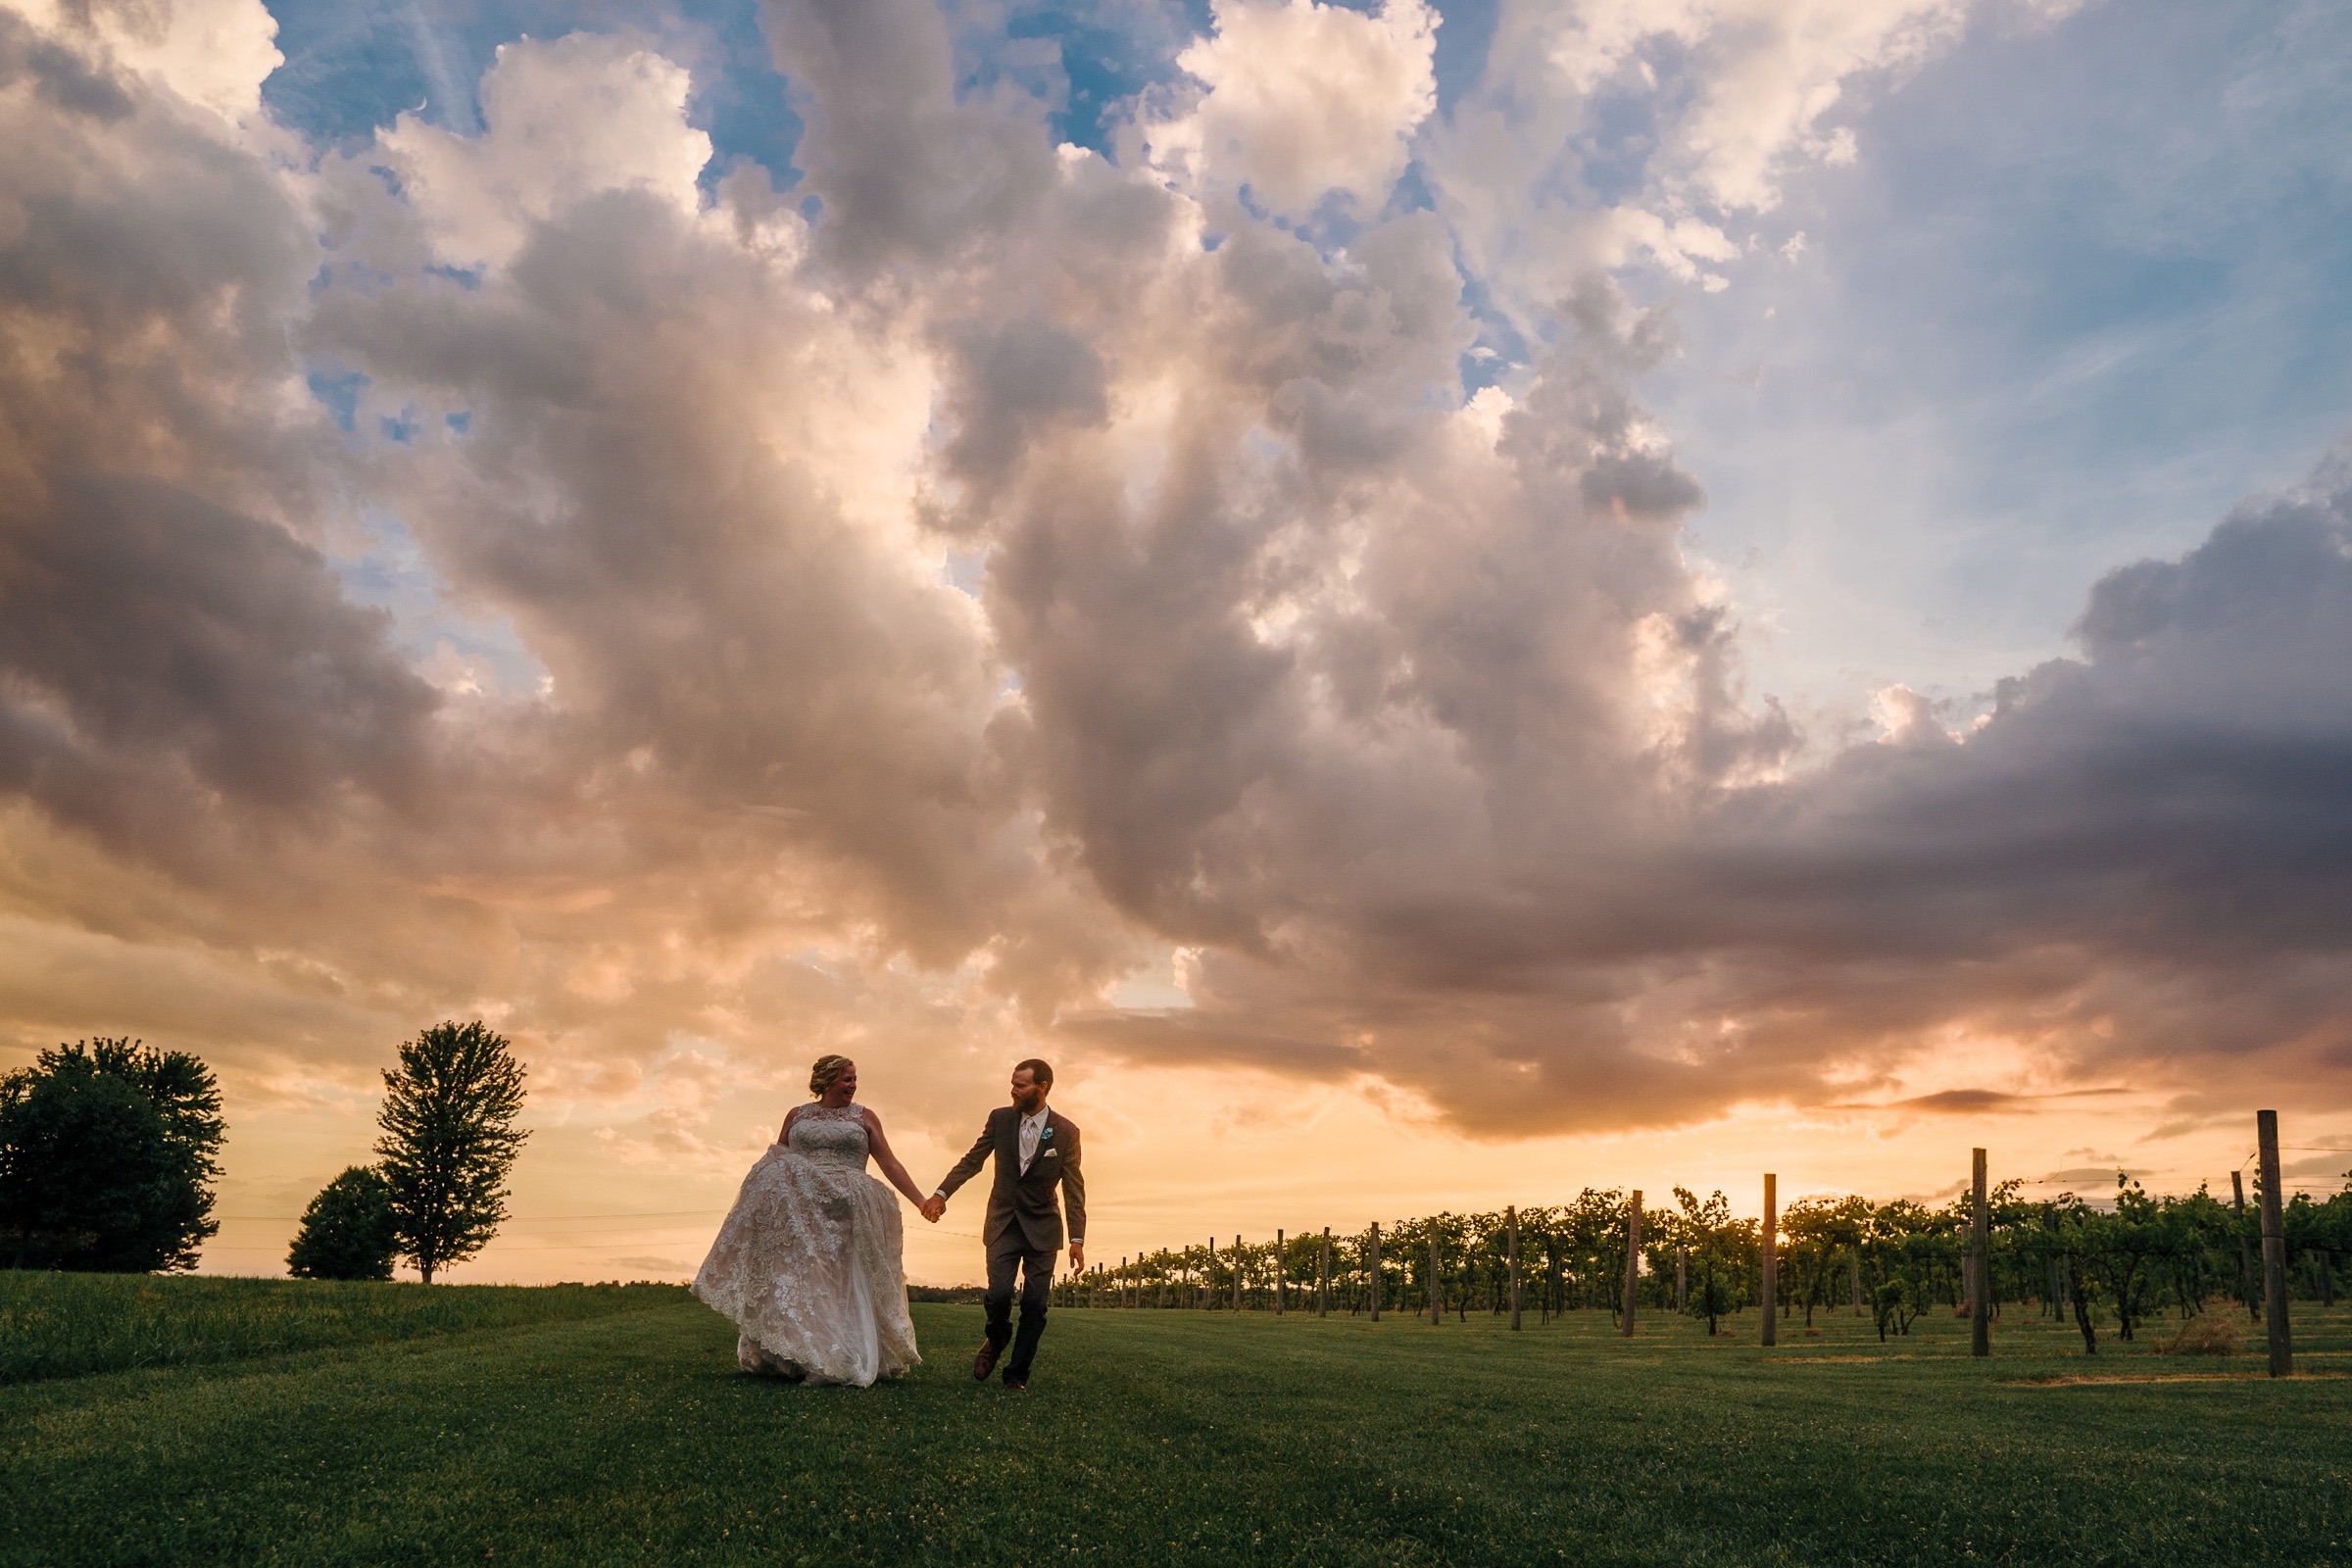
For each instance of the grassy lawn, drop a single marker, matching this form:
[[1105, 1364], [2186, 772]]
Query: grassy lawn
[[72, 1325], [612, 1428]]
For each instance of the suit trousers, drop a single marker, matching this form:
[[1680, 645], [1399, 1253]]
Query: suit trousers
[[1006, 1253]]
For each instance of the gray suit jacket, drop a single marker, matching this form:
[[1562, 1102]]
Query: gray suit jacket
[[1026, 1201]]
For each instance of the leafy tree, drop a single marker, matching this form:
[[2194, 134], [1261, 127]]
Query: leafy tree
[[1720, 1250], [1898, 1304], [2128, 1242], [449, 1140], [347, 1232], [107, 1158], [1823, 1236]]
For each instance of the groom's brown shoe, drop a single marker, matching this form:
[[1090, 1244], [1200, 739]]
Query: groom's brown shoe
[[984, 1360]]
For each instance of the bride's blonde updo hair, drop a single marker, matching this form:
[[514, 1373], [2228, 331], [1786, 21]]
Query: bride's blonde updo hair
[[826, 1073]]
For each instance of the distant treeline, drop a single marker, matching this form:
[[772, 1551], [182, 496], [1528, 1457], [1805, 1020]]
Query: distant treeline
[[2108, 1263]]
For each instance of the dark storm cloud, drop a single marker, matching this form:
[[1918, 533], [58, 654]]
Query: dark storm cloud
[[170, 651], [2179, 795], [147, 635], [2137, 863]]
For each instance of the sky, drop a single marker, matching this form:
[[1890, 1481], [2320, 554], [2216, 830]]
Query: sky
[[1440, 604]]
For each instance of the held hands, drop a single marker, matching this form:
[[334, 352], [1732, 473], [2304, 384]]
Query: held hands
[[932, 1207]]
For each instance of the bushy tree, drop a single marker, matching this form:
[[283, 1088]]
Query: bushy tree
[[347, 1232], [449, 1139], [108, 1152]]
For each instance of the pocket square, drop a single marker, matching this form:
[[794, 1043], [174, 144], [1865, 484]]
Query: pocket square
[[1049, 1154]]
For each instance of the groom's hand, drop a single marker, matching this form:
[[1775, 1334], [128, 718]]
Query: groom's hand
[[1077, 1257]]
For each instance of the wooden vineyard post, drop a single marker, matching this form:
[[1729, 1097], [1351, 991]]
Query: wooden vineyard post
[[1323, 1278], [1510, 1222], [2274, 1249], [1437, 1292], [1857, 1275], [1771, 1259], [1236, 1273], [2246, 1255], [1209, 1292], [1682, 1279], [1278, 1272], [1979, 1259], [1376, 1271], [1633, 1259]]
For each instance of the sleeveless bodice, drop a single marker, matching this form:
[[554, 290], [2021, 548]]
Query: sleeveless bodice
[[824, 1136]]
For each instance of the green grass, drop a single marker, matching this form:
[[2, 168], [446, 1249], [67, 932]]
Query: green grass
[[1179, 1437], [73, 1325]]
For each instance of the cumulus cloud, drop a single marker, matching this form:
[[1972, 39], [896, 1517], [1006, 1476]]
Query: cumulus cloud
[[563, 121], [212, 53], [1002, 562], [1300, 99]]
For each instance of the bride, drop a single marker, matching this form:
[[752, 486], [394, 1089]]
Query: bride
[[808, 1263]]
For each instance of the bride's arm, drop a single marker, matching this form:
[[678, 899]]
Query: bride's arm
[[890, 1161], [785, 1131]]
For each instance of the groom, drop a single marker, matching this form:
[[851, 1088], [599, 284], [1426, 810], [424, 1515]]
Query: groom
[[1036, 1150]]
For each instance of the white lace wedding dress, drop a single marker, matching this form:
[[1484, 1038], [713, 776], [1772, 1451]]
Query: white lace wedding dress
[[808, 1263]]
